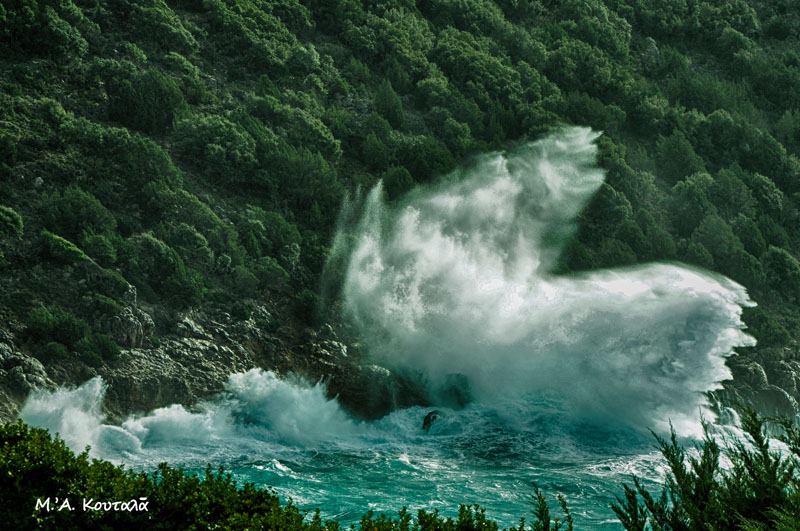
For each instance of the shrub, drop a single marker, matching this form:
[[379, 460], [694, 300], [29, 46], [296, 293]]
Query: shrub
[[160, 273], [306, 308], [49, 28], [758, 491], [53, 323], [270, 274], [74, 211], [783, 271], [223, 148], [10, 223], [148, 101], [396, 182], [60, 249], [98, 347], [243, 282], [191, 245], [161, 26], [99, 248]]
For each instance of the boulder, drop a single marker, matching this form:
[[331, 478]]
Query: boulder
[[130, 327]]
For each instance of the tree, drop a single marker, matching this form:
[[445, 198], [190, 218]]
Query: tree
[[75, 211], [676, 158], [149, 101], [782, 272], [689, 202], [388, 104]]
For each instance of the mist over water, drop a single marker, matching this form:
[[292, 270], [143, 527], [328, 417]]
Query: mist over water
[[567, 372], [458, 278]]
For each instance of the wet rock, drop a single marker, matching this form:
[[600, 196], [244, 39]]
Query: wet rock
[[750, 373], [130, 327], [187, 327], [372, 391], [775, 401], [784, 375], [21, 373], [429, 419], [180, 370]]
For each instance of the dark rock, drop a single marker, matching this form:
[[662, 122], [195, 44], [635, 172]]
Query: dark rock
[[130, 327], [775, 401], [429, 419], [750, 373]]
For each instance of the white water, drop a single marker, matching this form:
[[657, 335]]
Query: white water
[[458, 279], [567, 371]]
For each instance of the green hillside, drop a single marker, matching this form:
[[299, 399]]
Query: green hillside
[[199, 150]]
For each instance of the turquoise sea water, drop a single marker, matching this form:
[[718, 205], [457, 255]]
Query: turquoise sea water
[[286, 435]]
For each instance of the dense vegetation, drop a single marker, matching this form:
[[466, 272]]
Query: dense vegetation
[[758, 489], [200, 149]]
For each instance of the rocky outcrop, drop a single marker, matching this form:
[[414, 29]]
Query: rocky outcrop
[[179, 370], [195, 359], [769, 383], [130, 327], [20, 374]]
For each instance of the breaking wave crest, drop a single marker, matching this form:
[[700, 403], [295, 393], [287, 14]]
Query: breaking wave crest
[[458, 278]]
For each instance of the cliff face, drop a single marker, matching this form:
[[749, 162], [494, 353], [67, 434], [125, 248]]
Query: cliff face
[[200, 152]]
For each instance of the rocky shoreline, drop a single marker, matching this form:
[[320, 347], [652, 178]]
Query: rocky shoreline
[[193, 360]]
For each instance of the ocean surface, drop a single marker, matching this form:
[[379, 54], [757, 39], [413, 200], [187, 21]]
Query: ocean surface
[[287, 436]]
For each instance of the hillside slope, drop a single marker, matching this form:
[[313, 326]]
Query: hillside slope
[[171, 171]]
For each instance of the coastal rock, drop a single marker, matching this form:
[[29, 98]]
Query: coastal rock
[[178, 371], [775, 401], [21, 373], [130, 327], [187, 327], [750, 373], [784, 374], [372, 391]]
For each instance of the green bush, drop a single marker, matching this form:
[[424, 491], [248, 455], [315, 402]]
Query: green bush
[[51, 28], [160, 273], [99, 248], [224, 149], [783, 272], [10, 223], [97, 348], [159, 25], [149, 101], [270, 274], [74, 211], [60, 249], [189, 243], [53, 323], [52, 351], [758, 491]]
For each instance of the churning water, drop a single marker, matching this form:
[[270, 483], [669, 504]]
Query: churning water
[[566, 372]]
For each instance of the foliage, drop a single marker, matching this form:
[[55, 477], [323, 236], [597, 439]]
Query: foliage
[[148, 101], [60, 249], [757, 491], [10, 223], [206, 146], [159, 271]]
